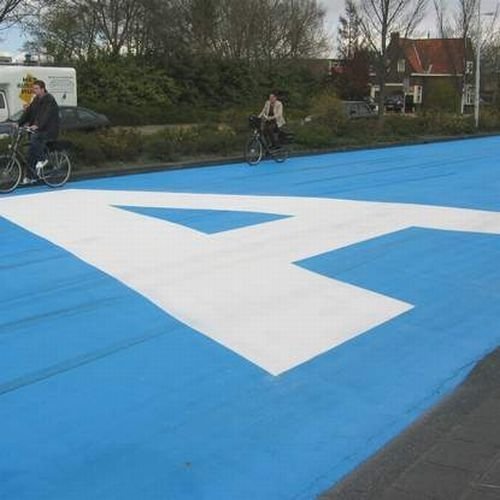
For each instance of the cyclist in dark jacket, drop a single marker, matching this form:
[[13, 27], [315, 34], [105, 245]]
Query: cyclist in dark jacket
[[42, 117]]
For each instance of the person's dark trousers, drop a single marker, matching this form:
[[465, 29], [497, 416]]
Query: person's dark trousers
[[271, 132], [38, 140]]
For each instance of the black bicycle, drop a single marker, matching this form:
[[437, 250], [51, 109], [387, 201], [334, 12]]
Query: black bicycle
[[258, 146], [13, 165]]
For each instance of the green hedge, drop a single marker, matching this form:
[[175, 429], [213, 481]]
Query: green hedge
[[176, 143]]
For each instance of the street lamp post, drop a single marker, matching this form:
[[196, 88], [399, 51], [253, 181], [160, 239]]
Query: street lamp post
[[478, 62], [478, 65]]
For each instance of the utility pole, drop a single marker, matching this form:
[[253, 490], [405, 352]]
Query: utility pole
[[478, 65]]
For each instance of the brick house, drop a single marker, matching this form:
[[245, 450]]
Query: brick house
[[417, 67]]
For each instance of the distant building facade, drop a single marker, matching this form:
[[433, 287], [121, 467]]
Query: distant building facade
[[418, 67]]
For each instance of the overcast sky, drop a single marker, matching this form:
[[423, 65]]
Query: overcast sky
[[12, 40], [335, 8]]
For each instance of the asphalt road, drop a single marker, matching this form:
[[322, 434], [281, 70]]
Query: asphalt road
[[233, 332]]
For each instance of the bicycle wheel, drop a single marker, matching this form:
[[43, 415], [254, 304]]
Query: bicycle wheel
[[253, 151], [280, 154], [57, 171], [10, 173]]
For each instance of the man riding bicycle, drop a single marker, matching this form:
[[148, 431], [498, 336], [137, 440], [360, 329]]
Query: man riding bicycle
[[42, 118], [272, 113]]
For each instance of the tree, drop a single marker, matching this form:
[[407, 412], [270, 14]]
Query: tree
[[349, 35], [62, 33], [462, 23], [352, 82], [255, 30], [380, 18], [8, 10]]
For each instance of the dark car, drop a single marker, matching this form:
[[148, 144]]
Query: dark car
[[358, 109], [394, 103], [79, 118], [72, 118]]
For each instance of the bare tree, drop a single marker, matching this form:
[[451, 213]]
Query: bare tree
[[115, 19], [380, 18], [8, 10], [461, 22], [12, 12], [253, 30], [62, 31], [349, 35]]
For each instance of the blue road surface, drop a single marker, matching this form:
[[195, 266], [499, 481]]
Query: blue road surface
[[104, 395]]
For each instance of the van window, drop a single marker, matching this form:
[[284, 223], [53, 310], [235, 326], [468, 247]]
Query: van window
[[2, 101]]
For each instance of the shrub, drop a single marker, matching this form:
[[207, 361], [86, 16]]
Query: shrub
[[313, 136], [237, 118], [120, 144], [128, 82], [85, 149], [215, 140], [328, 110], [170, 144], [442, 96], [447, 123], [402, 126], [489, 119], [109, 145], [177, 142]]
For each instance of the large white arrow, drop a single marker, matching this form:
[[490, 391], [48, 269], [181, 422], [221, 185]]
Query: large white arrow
[[240, 287]]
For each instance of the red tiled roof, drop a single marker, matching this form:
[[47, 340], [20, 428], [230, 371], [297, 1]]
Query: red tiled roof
[[435, 55]]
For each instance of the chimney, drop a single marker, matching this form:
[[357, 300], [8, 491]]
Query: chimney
[[395, 37]]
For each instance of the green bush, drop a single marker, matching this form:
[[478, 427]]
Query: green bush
[[128, 82], [441, 95], [447, 124], [238, 118], [177, 142], [313, 136], [120, 144], [85, 149], [328, 110], [489, 119], [108, 145], [402, 126], [170, 144], [215, 140]]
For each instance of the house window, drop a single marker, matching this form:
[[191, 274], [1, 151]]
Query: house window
[[401, 66], [469, 95], [469, 67], [417, 94]]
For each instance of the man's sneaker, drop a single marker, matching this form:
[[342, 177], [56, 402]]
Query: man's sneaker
[[39, 165], [27, 180]]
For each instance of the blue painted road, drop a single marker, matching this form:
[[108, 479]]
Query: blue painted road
[[106, 395]]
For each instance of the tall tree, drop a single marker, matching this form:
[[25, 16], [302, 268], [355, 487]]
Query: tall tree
[[349, 34], [380, 18], [8, 10], [461, 22], [63, 32]]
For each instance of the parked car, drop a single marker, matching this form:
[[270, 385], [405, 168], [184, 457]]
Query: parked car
[[394, 103], [358, 109], [72, 118]]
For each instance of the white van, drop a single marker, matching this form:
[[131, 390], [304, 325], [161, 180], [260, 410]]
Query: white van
[[16, 82]]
